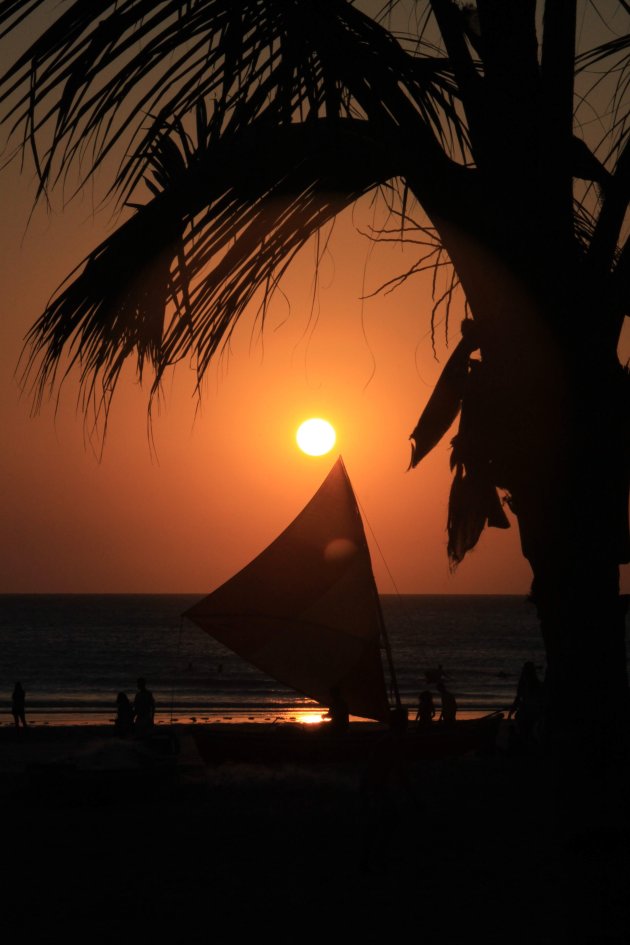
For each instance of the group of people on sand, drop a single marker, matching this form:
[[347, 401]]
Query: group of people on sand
[[426, 707], [426, 711], [526, 710], [136, 717]]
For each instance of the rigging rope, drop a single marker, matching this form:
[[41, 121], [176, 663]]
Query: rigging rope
[[400, 597], [175, 674]]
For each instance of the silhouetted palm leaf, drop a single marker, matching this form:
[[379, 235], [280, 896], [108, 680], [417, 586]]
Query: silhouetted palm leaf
[[225, 218], [91, 83], [445, 401], [240, 127]]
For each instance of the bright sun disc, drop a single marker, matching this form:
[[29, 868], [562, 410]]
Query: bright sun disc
[[315, 437]]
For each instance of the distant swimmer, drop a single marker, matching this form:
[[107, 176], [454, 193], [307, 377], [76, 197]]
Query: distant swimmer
[[449, 704], [143, 709], [18, 705]]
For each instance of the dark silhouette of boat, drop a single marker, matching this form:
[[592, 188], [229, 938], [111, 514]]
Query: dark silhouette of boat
[[309, 744], [306, 611]]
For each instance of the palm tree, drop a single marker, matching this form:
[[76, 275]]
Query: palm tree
[[245, 125]]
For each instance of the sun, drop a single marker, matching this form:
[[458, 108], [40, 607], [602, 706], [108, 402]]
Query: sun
[[316, 436]]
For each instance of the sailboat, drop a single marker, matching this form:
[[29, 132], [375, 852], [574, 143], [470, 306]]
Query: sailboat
[[306, 611]]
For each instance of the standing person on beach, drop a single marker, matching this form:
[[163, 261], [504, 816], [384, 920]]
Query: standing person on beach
[[528, 704], [338, 712], [426, 709], [143, 709], [449, 704], [18, 705], [124, 714]]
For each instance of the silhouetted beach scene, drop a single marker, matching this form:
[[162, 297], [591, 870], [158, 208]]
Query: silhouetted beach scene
[[315, 375], [97, 645]]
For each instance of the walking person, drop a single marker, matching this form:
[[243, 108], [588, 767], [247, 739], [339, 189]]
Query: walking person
[[124, 715], [528, 704], [449, 704], [18, 705], [143, 709], [338, 712], [426, 708]]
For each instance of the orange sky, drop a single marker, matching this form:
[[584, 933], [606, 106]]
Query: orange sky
[[226, 481]]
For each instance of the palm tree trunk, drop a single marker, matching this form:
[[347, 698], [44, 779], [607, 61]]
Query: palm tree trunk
[[582, 618], [558, 439], [573, 521]]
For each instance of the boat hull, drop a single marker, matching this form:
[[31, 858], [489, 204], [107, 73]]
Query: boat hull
[[309, 744]]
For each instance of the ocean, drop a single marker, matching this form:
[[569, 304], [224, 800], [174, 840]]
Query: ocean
[[74, 653]]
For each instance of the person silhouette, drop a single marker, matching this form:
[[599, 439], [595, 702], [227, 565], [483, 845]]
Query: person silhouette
[[449, 704], [124, 714], [338, 712], [18, 705], [426, 708], [527, 707], [143, 709], [435, 675]]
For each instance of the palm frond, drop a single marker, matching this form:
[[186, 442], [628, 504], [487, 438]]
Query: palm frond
[[226, 219], [607, 229], [608, 65], [251, 124], [91, 85]]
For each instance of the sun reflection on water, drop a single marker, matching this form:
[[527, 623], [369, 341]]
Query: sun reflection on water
[[310, 718]]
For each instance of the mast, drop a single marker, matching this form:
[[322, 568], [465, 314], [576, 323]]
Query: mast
[[383, 629], [388, 651]]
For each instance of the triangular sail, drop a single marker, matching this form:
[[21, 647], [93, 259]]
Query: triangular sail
[[306, 610]]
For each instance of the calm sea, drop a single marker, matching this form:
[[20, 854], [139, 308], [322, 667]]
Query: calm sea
[[74, 653]]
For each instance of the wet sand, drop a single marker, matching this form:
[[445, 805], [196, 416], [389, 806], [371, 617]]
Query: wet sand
[[500, 849]]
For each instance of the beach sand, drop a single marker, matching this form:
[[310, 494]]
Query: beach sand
[[100, 845]]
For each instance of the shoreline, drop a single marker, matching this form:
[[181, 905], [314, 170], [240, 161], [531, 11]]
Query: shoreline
[[100, 748], [38, 720]]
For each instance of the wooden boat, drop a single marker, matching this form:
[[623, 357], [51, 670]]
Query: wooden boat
[[306, 611], [314, 744]]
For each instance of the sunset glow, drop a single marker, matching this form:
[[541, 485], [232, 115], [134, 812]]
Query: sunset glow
[[311, 718], [316, 437]]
